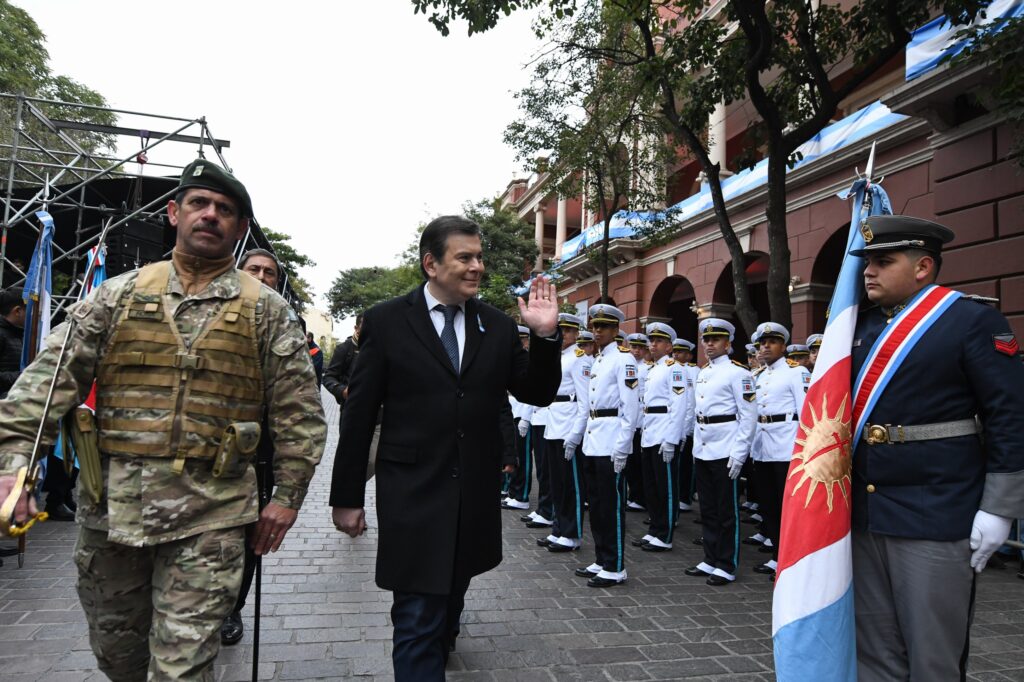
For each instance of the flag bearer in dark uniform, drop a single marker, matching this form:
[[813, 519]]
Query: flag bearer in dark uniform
[[611, 410], [638, 347], [667, 415], [726, 417], [934, 497], [521, 479], [682, 353], [780, 388], [564, 474]]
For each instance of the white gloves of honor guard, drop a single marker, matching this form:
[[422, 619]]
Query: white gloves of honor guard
[[735, 466], [619, 461], [668, 451], [570, 449], [988, 533], [523, 426]]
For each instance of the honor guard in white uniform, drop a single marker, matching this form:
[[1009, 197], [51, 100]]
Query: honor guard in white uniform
[[666, 419], [639, 347], [535, 419], [521, 479], [780, 389], [799, 353], [564, 474], [726, 418], [683, 353], [605, 424], [585, 340], [814, 345]]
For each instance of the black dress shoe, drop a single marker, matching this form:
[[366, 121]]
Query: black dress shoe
[[559, 548], [717, 581], [699, 541], [231, 629], [764, 570], [636, 510], [9, 551], [655, 548], [526, 519], [765, 549], [639, 542], [537, 524], [695, 571], [543, 542], [752, 541], [598, 581], [60, 512], [584, 573]]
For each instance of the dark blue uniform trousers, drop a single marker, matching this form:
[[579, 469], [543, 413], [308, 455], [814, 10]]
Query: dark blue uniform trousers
[[660, 488], [719, 513], [566, 490], [607, 494]]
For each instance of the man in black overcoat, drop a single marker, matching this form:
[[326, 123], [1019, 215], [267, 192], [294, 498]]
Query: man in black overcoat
[[440, 363]]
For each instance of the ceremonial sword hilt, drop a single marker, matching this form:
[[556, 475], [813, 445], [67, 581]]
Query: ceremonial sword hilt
[[25, 482]]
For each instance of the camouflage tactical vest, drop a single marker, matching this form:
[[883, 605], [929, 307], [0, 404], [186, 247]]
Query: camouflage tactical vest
[[156, 397]]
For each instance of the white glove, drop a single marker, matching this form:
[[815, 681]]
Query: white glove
[[619, 461], [524, 426], [570, 451], [668, 451], [988, 533], [735, 466]]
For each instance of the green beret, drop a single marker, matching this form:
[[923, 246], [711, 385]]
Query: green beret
[[207, 175]]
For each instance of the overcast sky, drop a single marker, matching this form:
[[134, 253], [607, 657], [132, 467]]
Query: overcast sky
[[350, 121]]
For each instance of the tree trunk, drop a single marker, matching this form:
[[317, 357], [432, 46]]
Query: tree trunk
[[778, 242]]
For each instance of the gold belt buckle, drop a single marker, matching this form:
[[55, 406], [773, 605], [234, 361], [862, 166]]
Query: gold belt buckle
[[877, 434]]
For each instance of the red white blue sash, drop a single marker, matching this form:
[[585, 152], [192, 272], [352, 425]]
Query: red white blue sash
[[893, 346]]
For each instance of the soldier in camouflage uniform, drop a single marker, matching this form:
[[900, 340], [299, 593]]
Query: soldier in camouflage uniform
[[160, 555]]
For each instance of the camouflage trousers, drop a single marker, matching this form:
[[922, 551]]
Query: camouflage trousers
[[158, 610]]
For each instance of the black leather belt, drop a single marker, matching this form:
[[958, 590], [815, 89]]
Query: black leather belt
[[774, 418], [716, 419], [562, 399], [657, 409], [606, 412]]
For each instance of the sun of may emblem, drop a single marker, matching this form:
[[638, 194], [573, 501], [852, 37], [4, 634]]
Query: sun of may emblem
[[825, 453]]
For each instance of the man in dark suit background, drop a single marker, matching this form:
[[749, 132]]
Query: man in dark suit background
[[440, 363]]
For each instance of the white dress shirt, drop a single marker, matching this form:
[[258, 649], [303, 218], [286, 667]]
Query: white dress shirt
[[665, 386], [437, 317], [614, 383], [724, 388]]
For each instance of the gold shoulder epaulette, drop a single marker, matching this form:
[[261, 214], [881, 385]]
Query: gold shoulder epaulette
[[648, 363], [740, 364], [623, 349], [670, 362], [580, 353], [691, 364], [792, 363], [706, 364], [758, 370]]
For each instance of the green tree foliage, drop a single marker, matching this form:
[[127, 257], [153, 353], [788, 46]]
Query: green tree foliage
[[24, 69], [357, 289], [291, 260], [998, 44], [509, 250]]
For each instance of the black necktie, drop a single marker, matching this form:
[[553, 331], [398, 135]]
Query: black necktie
[[448, 339]]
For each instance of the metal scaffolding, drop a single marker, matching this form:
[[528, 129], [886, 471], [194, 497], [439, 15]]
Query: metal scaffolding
[[47, 168]]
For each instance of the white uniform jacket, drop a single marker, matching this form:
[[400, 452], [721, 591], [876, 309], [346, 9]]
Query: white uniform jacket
[[724, 389], [561, 416], [665, 389], [614, 382], [780, 398]]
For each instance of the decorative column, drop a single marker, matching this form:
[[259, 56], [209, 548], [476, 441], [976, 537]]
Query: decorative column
[[561, 225], [717, 138], [538, 236]]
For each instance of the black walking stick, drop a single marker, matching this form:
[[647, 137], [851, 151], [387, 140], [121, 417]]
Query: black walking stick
[[263, 477]]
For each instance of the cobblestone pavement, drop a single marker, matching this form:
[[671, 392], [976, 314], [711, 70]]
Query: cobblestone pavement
[[530, 619]]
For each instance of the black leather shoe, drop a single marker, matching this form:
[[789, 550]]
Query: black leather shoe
[[765, 549], [526, 519], [231, 629], [639, 542], [60, 512], [764, 570], [559, 548], [584, 573], [699, 541], [9, 551], [598, 581], [537, 524], [751, 520], [543, 542], [752, 541], [636, 510], [717, 581], [655, 548], [695, 571]]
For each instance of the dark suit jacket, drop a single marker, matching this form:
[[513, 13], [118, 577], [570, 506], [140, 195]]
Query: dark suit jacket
[[441, 446]]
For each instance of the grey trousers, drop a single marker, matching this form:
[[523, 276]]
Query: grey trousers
[[913, 601]]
